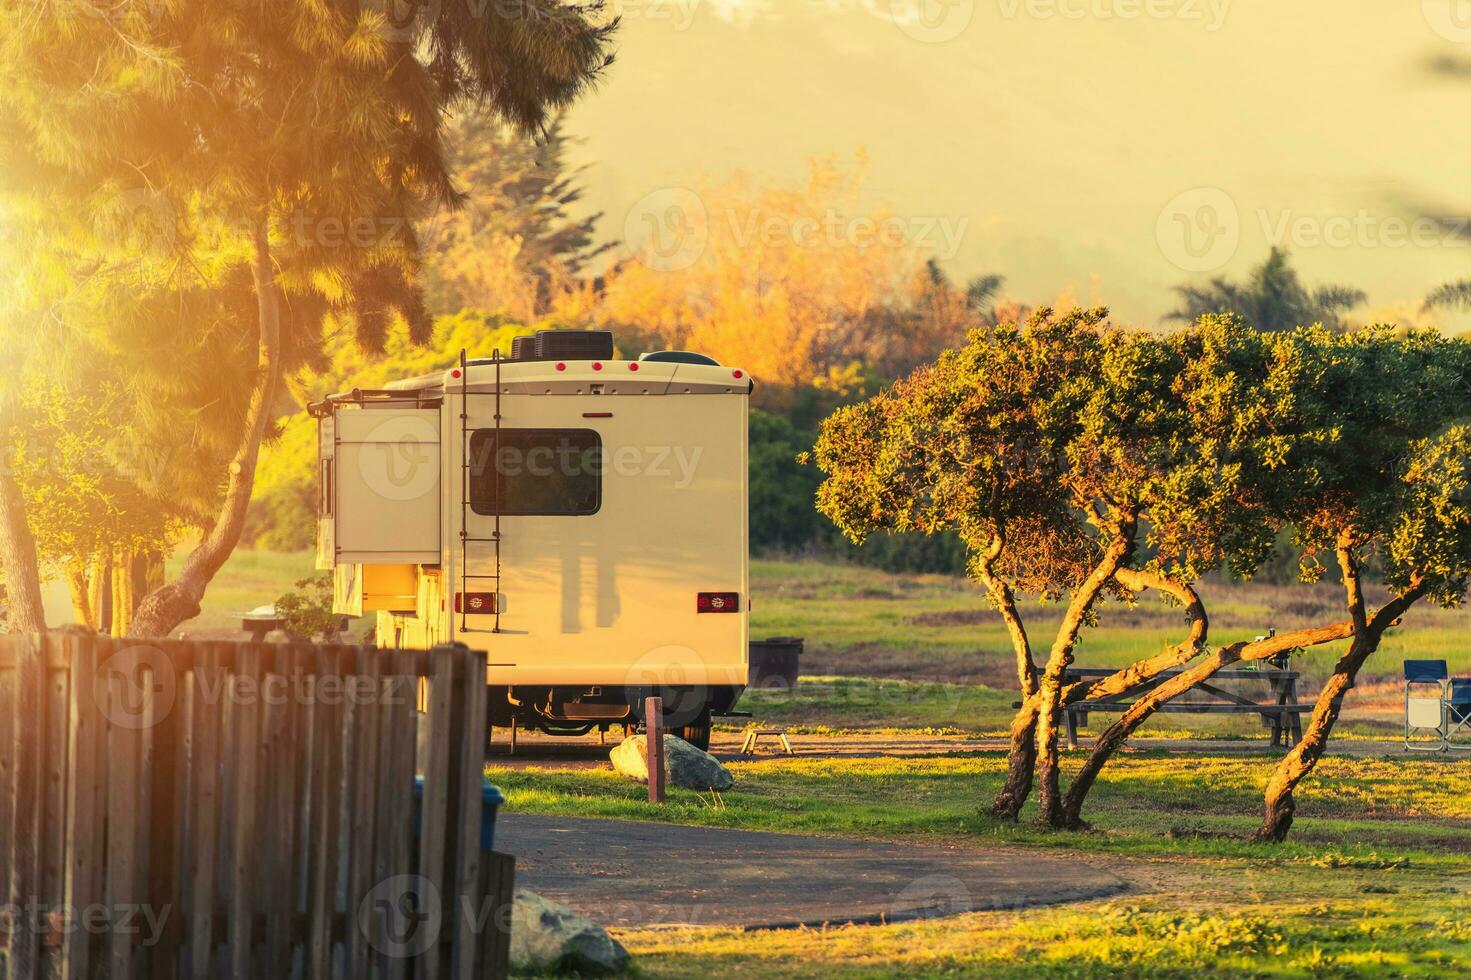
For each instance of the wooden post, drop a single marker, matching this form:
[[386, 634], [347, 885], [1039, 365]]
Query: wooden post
[[654, 742], [498, 891]]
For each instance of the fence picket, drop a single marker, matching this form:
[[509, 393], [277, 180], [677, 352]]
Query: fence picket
[[124, 713], [434, 833], [205, 689], [82, 818], [25, 805], [52, 897], [469, 752], [245, 709]]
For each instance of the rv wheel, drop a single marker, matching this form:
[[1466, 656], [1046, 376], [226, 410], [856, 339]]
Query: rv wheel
[[697, 732]]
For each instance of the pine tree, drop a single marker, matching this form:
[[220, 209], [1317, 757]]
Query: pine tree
[[515, 244], [215, 175]]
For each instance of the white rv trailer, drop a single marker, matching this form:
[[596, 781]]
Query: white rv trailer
[[581, 519]]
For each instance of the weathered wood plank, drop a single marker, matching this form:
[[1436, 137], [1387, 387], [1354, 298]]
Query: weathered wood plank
[[434, 831], [127, 713], [83, 821], [469, 776], [364, 704], [27, 743], [166, 756], [245, 708], [326, 807], [498, 885], [394, 790], [200, 863], [283, 783], [57, 723]]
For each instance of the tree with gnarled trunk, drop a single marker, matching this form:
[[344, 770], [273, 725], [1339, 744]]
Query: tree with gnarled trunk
[[1042, 446], [252, 172], [1211, 440]]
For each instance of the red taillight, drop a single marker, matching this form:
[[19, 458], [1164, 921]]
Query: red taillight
[[475, 603], [633, 367], [718, 602]]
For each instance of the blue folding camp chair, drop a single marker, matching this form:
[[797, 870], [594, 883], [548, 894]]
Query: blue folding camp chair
[[1458, 714], [1426, 683]]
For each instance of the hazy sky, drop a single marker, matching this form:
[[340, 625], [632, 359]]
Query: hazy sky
[[1131, 143]]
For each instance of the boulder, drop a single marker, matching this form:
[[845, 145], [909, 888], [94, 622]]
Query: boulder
[[684, 765], [547, 938]]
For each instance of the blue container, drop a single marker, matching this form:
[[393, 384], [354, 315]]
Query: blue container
[[491, 799]]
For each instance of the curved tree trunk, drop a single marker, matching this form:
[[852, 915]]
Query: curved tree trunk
[[26, 612], [1183, 652], [1141, 710], [178, 601], [1021, 763], [1023, 731], [80, 589], [1022, 759], [1281, 803], [1061, 657]]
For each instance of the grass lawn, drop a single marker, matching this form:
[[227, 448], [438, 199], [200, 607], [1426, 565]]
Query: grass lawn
[[1376, 880], [861, 622], [925, 652]]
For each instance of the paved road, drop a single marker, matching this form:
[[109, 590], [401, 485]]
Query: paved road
[[622, 873]]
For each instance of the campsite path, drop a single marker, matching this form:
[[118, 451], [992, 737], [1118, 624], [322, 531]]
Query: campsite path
[[631, 875], [542, 752]]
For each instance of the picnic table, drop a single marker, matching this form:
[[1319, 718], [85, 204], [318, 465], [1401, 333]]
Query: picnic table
[[1280, 710]]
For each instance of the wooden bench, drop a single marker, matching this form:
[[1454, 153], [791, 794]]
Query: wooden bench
[[1281, 711]]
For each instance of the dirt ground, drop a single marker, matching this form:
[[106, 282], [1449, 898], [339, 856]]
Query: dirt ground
[[544, 752]]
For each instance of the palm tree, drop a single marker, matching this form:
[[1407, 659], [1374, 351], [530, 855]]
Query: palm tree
[[1272, 298]]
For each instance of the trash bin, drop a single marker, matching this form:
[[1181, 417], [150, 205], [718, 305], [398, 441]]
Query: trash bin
[[491, 799], [774, 662]]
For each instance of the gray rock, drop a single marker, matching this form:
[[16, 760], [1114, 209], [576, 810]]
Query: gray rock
[[551, 938], [684, 765]]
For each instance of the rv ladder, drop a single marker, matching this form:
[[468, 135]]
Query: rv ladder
[[465, 509]]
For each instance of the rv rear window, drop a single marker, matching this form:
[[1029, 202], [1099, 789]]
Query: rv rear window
[[536, 472]]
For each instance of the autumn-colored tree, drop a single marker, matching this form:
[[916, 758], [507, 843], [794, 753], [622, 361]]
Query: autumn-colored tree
[[254, 172], [799, 285]]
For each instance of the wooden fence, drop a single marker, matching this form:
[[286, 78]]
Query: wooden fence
[[195, 809]]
